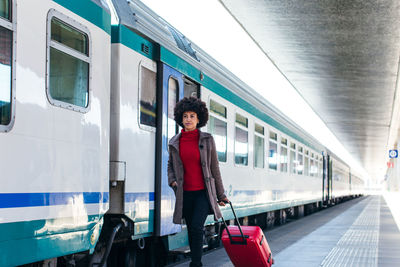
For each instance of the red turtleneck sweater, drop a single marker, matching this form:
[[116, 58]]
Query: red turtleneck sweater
[[190, 156]]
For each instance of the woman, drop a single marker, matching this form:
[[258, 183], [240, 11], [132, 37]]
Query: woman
[[193, 173]]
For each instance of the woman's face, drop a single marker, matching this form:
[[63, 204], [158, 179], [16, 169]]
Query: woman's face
[[190, 120]]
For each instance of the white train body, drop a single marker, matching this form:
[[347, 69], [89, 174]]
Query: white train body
[[55, 156]]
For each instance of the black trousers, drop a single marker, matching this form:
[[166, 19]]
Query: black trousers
[[196, 208]]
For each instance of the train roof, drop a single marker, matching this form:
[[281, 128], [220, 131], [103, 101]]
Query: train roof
[[142, 20], [102, 4]]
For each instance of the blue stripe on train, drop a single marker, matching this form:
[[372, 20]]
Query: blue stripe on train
[[18, 200], [132, 197]]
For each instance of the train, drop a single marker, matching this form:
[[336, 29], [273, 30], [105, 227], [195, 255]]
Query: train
[[86, 112]]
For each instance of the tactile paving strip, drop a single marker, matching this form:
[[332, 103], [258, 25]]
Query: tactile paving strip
[[359, 245]]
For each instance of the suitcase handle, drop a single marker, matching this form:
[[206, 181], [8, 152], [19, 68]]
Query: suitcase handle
[[244, 242]]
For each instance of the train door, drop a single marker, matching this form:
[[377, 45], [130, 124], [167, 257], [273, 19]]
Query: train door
[[330, 172], [326, 179], [172, 86]]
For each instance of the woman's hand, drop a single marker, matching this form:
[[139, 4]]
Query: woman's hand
[[174, 184], [223, 201]]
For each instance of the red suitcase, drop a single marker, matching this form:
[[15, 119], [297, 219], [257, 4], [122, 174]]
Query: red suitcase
[[246, 245]]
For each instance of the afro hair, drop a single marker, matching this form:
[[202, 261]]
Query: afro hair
[[191, 104]]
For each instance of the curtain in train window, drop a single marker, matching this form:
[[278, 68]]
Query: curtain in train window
[[69, 65], [148, 105], [5, 72]]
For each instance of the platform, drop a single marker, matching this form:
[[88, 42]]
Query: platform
[[361, 232]]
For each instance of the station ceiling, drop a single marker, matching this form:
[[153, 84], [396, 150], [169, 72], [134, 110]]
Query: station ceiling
[[342, 57]]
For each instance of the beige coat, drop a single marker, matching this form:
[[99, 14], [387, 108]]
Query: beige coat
[[211, 174]]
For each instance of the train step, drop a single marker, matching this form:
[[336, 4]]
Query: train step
[[184, 250]]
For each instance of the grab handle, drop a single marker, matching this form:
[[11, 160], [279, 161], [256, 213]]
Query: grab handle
[[244, 242]]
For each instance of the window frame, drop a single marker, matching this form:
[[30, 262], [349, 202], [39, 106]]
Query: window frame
[[71, 52], [254, 142], [221, 118], [244, 128], [151, 67], [300, 152], [293, 170], [312, 160], [306, 161], [287, 153], [11, 25], [275, 141]]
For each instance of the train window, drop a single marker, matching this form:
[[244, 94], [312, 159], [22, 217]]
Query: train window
[[313, 169], [241, 120], [5, 9], [6, 66], [148, 107], [241, 140], [173, 88], [69, 63], [273, 136], [273, 151], [218, 128], [259, 129], [320, 167], [217, 108], [306, 163], [293, 160], [284, 141], [258, 146], [300, 162], [284, 155], [190, 88], [5, 75]]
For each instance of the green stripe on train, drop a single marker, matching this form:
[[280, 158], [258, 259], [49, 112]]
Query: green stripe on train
[[89, 11], [142, 226], [127, 37], [122, 35], [31, 241]]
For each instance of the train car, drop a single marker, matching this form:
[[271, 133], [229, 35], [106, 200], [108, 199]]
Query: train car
[[339, 181], [86, 116], [54, 127], [357, 184]]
